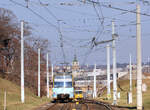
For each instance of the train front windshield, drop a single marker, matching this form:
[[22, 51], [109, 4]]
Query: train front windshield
[[78, 92], [62, 84]]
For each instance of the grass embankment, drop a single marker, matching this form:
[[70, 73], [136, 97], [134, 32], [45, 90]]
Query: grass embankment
[[13, 97], [124, 88]]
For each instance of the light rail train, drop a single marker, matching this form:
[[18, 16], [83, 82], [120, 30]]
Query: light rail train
[[78, 94], [63, 87]]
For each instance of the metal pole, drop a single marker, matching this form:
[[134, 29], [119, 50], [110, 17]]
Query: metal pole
[[114, 66], [130, 74], [148, 65], [5, 100], [95, 93], [39, 72], [130, 92], [52, 72], [139, 60], [22, 63], [108, 72], [47, 78]]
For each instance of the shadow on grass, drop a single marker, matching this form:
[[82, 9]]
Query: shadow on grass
[[130, 108]]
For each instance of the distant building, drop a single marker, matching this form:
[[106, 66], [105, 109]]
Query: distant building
[[75, 64], [75, 67], [56, 67]]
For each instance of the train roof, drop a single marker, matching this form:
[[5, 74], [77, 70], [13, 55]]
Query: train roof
[[63, 73], [60, 76], [78, 90]]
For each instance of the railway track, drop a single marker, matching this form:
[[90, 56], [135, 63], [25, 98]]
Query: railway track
[[87, 107], [107, 106], [66, 106], [83, 105], [53, 106], [60, 106]]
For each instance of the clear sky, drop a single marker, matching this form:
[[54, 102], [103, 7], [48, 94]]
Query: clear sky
[[80, 22]]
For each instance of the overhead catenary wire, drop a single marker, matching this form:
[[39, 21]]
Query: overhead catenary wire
[[62, 43], [35, 13], [54, 15], [60, 32], [47, 8], [58, 19], [72, 11], [57, 28], [101, 22], [97, 33], [120, 9]]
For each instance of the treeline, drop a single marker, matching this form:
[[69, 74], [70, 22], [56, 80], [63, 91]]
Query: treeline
[[10, 51]]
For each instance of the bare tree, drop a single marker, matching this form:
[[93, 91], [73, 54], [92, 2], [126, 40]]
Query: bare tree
[[10, 52]]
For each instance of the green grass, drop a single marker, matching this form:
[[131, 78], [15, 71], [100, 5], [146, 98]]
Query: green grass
[[13, 97], [124, 84]]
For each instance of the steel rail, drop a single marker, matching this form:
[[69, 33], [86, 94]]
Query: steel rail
[[86, 106], [99, 103], [55, 104], [66, 106]]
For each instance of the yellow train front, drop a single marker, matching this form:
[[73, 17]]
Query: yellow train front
[[78, 95]]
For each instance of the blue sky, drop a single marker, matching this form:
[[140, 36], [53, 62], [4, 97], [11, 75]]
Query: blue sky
[[79, 23]]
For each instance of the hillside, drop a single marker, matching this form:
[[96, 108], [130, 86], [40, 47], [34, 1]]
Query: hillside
[[10, 49], [13, 97], [124, 88]]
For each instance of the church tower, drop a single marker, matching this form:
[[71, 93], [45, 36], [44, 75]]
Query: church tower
[[75, 64]]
